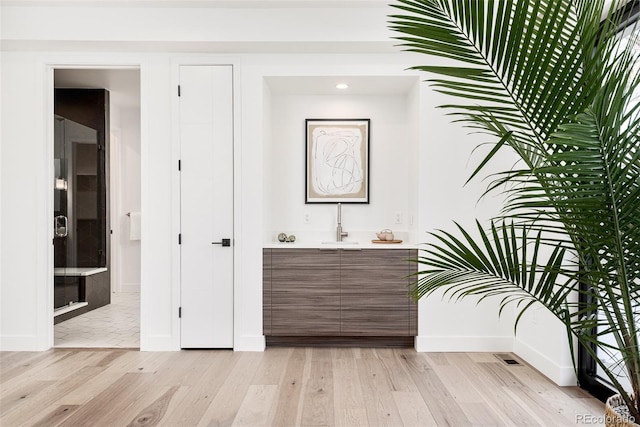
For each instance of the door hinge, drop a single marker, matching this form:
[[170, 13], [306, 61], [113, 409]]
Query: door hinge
[[179, 238], [180, 312], [178, 90], [179, 165]]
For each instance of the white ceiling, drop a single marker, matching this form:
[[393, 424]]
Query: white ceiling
[[123, 84]]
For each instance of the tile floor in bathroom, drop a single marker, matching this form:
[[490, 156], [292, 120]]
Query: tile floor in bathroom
[[116, 325]]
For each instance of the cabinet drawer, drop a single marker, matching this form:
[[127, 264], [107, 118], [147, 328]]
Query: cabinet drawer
[[296, 322], [371, 322]]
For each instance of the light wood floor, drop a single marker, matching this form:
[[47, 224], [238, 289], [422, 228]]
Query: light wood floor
[[281, 387]]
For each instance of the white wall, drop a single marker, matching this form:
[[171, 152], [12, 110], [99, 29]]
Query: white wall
[[389, 154], [128, 193], [157, 39], [445, 165]]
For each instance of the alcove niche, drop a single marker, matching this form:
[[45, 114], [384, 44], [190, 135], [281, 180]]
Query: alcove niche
[[392, 103]]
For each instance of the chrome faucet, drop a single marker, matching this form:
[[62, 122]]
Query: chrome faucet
[[339, 233]]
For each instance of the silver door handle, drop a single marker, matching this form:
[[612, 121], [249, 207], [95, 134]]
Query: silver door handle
[[60, 226]]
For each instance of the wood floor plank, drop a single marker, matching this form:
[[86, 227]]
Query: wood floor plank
[[272, 366], [413, 410], [153, 414], [349, 405], [129, 362], [193, 401], [56, 416], [48, 396], [225, 405], [398, 377], [559, 400], [317, 409], [106, 407], [21, 396], [289, 398], [470, 398], [441, 403], [28, 371], [492, 387], [13, 363], [255, 409], [377, 392]]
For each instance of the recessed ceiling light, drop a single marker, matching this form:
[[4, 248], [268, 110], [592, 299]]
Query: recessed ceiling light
[[342, 86]]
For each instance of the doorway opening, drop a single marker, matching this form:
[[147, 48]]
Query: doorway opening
[[97, 207]]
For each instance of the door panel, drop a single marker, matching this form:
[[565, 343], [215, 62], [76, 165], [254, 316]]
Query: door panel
[[206, 214]]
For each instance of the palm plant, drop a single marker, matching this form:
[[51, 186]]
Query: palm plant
[[548, 80]]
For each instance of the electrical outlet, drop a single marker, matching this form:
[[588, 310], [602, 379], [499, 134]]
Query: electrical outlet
[[398, 218], [306, 218]]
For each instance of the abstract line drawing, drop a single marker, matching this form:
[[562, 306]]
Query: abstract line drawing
[[337, 160]]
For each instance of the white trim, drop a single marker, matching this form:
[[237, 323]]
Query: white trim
[[115, 178], [22, 342], [561, 375], [45, 325], [425, 343], [249, 343], [157, 343], [45, 297]]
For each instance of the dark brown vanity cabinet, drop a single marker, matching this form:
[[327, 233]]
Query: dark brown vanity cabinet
[[339, 292]]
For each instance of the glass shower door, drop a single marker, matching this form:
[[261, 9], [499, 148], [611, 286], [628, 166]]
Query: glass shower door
[[75, 211]]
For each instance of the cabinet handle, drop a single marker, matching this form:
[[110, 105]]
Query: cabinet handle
[[224, 242]]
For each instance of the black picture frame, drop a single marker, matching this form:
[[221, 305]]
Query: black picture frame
[[337, 166]]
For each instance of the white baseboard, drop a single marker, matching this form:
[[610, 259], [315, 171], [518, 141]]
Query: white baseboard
[[425, 343], [21, 343], [249, 343], [158, 343], [561, 375], [130, 287]]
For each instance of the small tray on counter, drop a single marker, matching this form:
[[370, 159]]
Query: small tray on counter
[[386, 241]]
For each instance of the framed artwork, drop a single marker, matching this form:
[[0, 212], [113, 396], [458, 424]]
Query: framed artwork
[[337, 160]]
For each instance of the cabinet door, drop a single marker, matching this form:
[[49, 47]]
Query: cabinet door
[[375, 293], [305, 292]]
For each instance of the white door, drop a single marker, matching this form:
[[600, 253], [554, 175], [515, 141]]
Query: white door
[[206, 213]]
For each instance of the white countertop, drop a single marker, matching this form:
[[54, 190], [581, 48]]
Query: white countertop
[[78, 271], [344, 245]]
